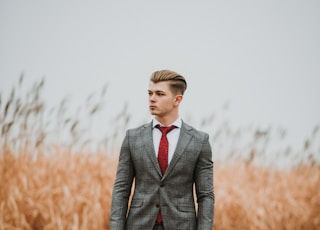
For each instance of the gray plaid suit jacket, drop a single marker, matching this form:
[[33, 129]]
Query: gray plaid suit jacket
[[173, 192]]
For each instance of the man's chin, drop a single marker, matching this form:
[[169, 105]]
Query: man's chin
[[153, 112]]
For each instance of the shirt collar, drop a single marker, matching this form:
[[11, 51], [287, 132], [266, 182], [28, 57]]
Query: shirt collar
[[177, 123]]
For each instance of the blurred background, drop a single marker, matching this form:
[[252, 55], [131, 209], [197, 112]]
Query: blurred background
[[261, 59], [82, 67]]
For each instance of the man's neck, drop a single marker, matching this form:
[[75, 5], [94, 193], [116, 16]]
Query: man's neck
[[167, 120]]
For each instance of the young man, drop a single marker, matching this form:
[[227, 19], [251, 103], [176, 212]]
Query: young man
[[166, 159]]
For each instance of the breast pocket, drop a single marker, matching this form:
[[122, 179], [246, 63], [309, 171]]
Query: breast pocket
[[191, 155]]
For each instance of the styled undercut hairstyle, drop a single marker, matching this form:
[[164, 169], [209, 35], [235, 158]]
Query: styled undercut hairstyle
[[177, 82]]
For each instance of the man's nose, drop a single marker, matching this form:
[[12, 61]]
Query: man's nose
[[152, 98]]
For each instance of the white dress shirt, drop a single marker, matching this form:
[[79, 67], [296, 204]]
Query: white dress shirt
[[172, 137]]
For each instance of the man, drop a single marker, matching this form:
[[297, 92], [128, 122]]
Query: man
[[165, 166]]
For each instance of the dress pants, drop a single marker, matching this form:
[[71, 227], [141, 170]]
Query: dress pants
[[158, 227]]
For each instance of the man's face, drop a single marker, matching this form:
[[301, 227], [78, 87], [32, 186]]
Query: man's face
[[162, 102]]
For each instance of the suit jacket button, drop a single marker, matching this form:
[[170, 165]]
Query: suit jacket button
[[161, 184], [157, 205]]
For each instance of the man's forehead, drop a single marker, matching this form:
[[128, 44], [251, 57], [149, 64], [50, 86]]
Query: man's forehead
[[159, 86]]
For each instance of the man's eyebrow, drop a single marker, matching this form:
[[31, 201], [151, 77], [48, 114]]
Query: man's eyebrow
[[157, 91]]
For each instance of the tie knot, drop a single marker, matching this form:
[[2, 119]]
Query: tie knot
[[165, 129]]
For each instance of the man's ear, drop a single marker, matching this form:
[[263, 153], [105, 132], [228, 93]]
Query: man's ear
[[178, 99]]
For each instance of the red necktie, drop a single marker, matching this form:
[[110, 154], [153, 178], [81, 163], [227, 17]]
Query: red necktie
[[163, 155]]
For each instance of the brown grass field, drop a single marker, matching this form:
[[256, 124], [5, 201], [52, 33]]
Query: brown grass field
[[73, 191]]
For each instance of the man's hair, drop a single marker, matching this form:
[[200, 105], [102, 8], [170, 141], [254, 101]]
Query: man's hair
[[177, 82]]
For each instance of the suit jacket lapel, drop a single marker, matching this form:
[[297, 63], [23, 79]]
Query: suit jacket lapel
[[184, 140], [146, 134]]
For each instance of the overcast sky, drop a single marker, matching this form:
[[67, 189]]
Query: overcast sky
[[261, 57]]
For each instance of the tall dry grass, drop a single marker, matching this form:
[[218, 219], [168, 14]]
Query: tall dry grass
[[73, 191], [50, 178], [250, 197], [64, 191]]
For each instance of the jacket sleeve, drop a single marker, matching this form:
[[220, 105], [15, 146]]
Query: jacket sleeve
[[204, 187], [122, 187]]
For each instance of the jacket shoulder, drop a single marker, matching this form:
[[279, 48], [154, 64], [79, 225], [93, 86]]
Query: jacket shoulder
[[139, 128], [198, 133]]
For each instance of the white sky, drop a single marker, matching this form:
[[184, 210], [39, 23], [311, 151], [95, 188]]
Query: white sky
[[261, 56]]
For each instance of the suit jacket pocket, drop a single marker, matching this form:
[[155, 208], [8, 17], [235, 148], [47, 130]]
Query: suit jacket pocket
[[136, 203], [186, 206]]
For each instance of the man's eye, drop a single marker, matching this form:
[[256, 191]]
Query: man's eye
[[160, 94]]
